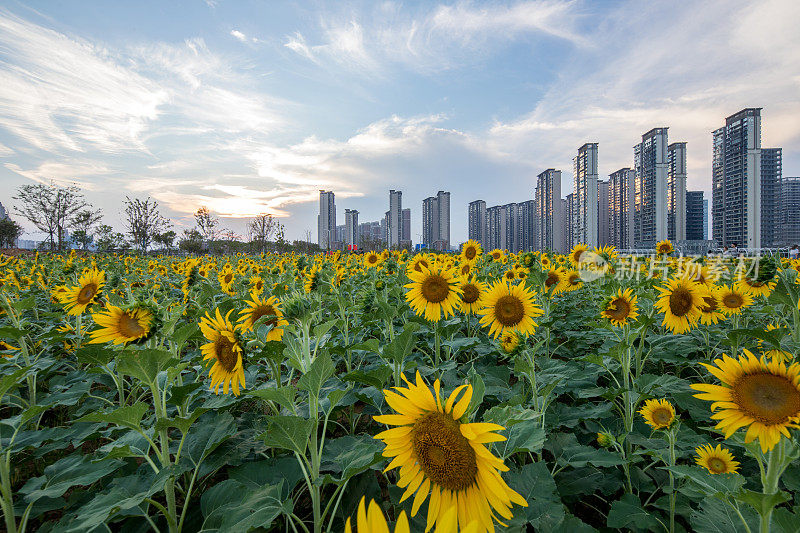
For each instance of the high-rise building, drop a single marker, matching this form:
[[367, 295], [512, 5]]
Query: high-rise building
[[676, 191], [706, 212], [477, 222], [526, 217], [650, 200], [326, 220], [549, 229], [351, 227], [584, 211], [510, 227], [370, 234], [3, 213], [569, 219], [771, 172], [495, 228], [621, 200], [563, 221], [790, 211], [406, 236], [603, 219], [736, 180], [436, 221], [395, 218], [694, 215]]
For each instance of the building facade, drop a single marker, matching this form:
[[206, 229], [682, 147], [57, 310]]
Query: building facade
[[436, 221], [650, 189], [549, 230], [477, 222], [621, 200], [351, 227], [395, 218], [569, 217], [676, 191], [584, 210], [736, 180], [526, 217], [694, 215], [495, 228], [326, 219], [603, 219], [771, 173], [790, 211], [406, 233]]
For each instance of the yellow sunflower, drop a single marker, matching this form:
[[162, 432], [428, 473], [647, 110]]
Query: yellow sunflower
[[621, 308], [471, 251], [717, 460], [226, 279], [440, 456], [763, 396], [658, 414], [782, 356], [572, 281], [755, 286], [257, 308], [732, 300], [497, 254], [471, 291], [122, 326], [6, 347], [576, 255], [509, 341], [664, 247], [223, 347], [710, 311], [556, 281], [76, 299], [372, 260], [680, 301], [509, 307], [371, 520], [434, 292]]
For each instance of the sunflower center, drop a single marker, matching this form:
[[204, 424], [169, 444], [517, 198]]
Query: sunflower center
[[263, 310], [509, 310], [662, 416], [470, 252], [732, 300], [444, 454], [226, 355], [768, 398], [717, 465], [372, 259], [680, 301], [87, 293], [552, 279], [435, 289], [130, 326], [470, 294], [619, 309], [710, 304], [228, 278]]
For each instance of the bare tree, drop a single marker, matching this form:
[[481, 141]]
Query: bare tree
[[261, 230], [51, 208], [144, 221], [206, 223]]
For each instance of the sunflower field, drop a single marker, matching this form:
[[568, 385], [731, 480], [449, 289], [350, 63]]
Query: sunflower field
[[402, 392]]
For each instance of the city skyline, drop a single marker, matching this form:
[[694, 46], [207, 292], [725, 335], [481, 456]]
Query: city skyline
[[254, 107]]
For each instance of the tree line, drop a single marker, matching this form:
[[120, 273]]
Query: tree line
[[64, 215]]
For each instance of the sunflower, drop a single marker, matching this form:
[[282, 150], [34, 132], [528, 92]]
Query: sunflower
[[509, 342], [556, 281], [226, 279], [312, 279], [372, 260], [763, 396], [257, 308], [680, 302], [471, 251], [782, 356], [441, 456], [509, 307], [224, 347], [658, 414], [664, 247], [497, 254], [732, 300], [122, 326], [434, 292], [371, 520], [77, 298], [471, 291], [256, 285], [572, 281], [621, 308], [576, 255], [755, 287], [710, 312], [717, 460], [6, 347]]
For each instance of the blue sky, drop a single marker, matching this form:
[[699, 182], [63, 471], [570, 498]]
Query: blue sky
[[251, 107]]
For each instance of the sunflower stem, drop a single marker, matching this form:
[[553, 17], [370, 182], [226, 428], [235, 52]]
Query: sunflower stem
[[672, 434], [437, 347]]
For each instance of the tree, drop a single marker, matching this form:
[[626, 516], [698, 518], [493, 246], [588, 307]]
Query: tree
[[165, 239], [108, 240], [51, 208], [143, 221], [207, 223], [280, 239], [191, 242], [9, 232], [261, 230], [83, 222]]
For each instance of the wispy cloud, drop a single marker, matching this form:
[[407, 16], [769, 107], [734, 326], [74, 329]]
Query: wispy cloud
[[239, 35]]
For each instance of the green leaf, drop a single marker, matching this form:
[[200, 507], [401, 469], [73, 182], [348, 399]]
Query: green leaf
[[130, 416], [10, 380], [478, 391], [144, 364], [527, 436], [283, 396], [270, 471], [183, 334], [375, 377], [273, 351], [206, 436], [715, 516], [95, 354], [710, 484], [320, 371], [10, 332], [288, 433], [402, 345], [762, 503], [349, 456], [628, 512], [369, 345], [182, 423], [536, 486], [233, 507], [66, 473]]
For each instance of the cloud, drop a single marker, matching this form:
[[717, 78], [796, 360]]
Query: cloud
[[239, 35]]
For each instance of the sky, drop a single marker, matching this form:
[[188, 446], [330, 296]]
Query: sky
[[251, 107]]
